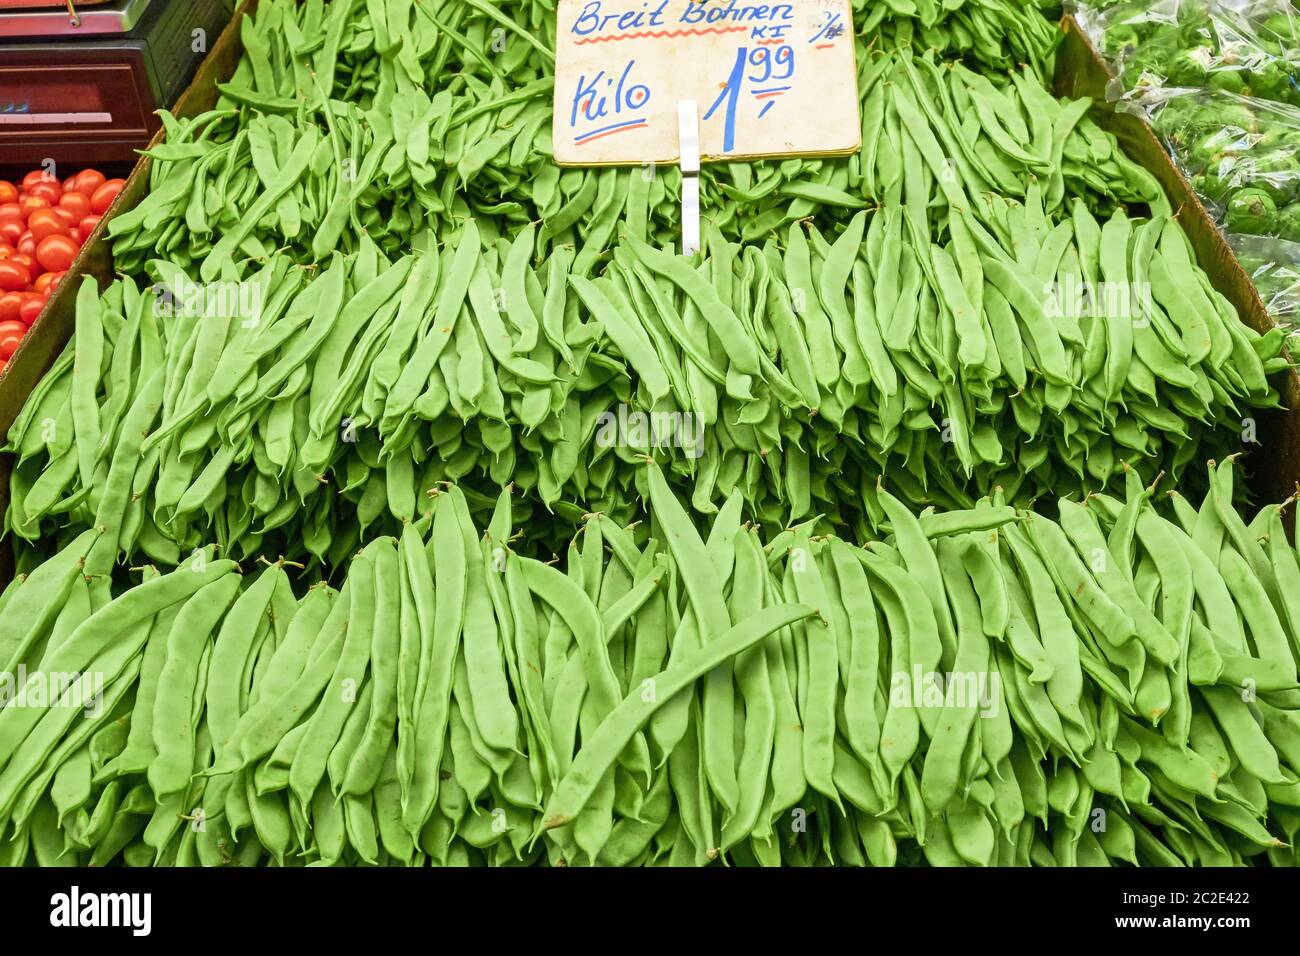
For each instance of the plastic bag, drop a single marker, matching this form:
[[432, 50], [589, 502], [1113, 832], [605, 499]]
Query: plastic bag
[[1239, 153], [1117, 26], [1274, 266], [1248, 47]]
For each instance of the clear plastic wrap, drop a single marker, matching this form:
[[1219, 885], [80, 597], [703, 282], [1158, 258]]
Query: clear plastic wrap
[[1115, 26], [1248, 47], [1274, 266], [1239, 153]]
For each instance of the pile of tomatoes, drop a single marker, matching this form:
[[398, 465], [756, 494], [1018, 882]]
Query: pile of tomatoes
[[43, 224]]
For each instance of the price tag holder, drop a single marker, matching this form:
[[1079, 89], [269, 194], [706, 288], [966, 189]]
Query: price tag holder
[[770, 79]]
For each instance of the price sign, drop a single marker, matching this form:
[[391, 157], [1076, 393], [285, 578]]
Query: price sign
[[769, 79]]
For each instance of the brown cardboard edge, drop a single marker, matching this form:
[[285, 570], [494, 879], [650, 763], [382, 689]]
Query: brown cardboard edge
[[55, 325], [1080, 71]]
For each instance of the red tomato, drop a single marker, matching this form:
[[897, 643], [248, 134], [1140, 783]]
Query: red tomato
[[44, 281], [36, 177], [47, 222], [30, 204], [11, 336], [27, 244], [50, 192], [11, 230], [76, 203], [31, 309], [28, 262], [68, 183], [87, 225], [14, 276], [6, 250], [8, 191], [105, 195], [11, 210], [87, 181], [55, 253], [10, 304], [66, 216]]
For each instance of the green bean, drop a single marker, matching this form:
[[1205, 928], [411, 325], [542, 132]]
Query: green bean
[[817, 710], [1108, 617], [919, 557], [494, 713], [290, 173], [87, 364], [901, 726], [342, 691], [71, 786], [630, 340], [862, 726], [230, 653], [173, 732], [450, 580], [1065, 684], [367, 762], [940, 774]]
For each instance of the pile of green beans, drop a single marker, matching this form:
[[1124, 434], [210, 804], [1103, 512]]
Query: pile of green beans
[[939, 138], [979, 687], [996, 35], [309, 148], [329, 145], [805, 374]]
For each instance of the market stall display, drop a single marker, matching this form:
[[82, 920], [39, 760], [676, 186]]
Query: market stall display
[[408, 499]]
